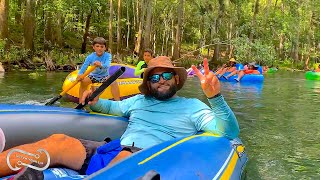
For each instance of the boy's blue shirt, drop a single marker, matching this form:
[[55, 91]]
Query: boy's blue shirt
[[98, 73], [152, 121]]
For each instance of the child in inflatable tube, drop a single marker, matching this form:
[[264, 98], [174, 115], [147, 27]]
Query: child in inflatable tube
[[148, 126], [102, 60]]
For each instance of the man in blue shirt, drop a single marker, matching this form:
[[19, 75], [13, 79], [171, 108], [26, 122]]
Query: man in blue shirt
[[102, 60], [156, 116], [160, 115]]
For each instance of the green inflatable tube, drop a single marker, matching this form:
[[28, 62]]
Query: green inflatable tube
[[310, 75], [272, 70]]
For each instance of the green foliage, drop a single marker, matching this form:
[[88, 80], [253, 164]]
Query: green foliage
[[131, 60], [246, 51], [2, 48], [242, 49], [263, 53], [187, 62], [72, 58], [14, 53], [295, 25]]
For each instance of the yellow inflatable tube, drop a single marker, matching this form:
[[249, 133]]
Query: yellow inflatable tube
[[128, 87]]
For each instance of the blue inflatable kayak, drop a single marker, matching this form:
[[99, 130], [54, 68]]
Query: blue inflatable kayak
[[23, 124], [204, 156]]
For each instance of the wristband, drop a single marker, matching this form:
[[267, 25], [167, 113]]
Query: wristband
[[215, 96]]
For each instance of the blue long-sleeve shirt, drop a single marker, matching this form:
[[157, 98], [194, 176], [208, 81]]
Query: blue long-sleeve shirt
[[152, 121], [98, 73]]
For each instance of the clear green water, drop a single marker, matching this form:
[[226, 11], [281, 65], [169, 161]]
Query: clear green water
[[279, 120]]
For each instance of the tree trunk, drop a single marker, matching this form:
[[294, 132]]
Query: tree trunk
[[147, 34], [163, 39], [173, 35], [254, 19], [48, 36], [281, 46], [128, 27], [141, 24], [201, 28], [231, 51], [18, 12], [296, 49], [297, 40], [48, 61], [229, 39], [154, 43], [269, 4], [306, 64], [86, 33], [4, 15], [218, 21], [177, 41], [110, 26], [134, 15], [220, 16], [58, 30], [29, 25], [310, 43], [216, 55], [212, 32], [119, 27]]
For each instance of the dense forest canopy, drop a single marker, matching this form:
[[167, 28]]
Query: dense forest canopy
[[53, 32]]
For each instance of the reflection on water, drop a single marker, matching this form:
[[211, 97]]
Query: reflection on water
[[279, 122], [1, 77], [314, 85], [279, 119], [19, 87]]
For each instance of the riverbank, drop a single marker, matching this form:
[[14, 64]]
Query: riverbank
[[67, 61]]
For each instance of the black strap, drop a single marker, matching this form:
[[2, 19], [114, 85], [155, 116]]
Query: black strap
[[144, 65]]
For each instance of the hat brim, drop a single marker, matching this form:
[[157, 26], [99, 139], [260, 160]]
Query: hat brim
[[180, 71]]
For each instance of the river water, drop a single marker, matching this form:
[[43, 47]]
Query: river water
[[279, 120]]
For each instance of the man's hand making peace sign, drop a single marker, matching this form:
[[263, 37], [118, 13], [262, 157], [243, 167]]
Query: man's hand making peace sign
[[209, 82]]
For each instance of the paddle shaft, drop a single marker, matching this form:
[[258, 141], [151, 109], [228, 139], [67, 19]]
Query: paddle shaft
[[52, 101], [76, 82], [103, 86]]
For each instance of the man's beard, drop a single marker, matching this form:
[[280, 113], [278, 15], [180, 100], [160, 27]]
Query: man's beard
[[165, 95]]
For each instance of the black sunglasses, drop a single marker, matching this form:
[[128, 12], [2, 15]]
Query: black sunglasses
[[165, 75]]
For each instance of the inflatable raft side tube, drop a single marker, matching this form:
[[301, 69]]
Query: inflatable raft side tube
[[183, 158]]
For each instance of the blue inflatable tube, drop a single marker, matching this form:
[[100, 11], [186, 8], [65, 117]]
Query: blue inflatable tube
[[248, 78]]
